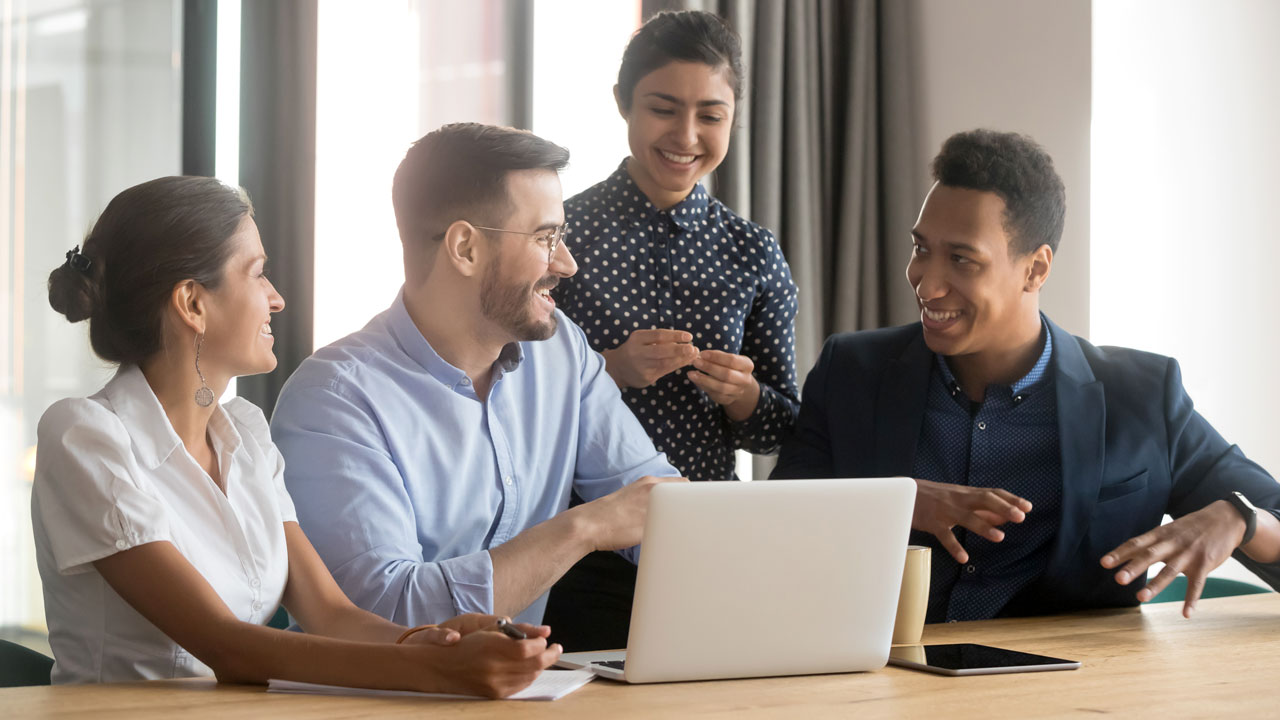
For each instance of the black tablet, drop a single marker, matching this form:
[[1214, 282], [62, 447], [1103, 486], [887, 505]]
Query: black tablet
[[971, 659]]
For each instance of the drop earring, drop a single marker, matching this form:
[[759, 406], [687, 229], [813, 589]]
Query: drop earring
[[204, 396]]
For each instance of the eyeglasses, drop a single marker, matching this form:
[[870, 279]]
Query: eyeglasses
[[551, 238]]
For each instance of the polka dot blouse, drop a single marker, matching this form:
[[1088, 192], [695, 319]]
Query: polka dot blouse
[[696, 267]]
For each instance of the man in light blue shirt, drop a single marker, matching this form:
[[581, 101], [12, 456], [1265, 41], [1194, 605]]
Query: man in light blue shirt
[[431, 455]]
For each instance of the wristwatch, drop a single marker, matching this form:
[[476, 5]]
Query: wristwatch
[[1248, 512]]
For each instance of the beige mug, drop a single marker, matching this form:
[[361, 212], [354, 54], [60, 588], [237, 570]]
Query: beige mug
[[913, 600]]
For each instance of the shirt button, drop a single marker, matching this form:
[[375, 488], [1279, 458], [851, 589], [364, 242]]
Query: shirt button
[[982, 426], [951, 621], [255, 582], [970, 568], [466, 382], [122, 545], [507, 480], [1017, 399], [257, 604]]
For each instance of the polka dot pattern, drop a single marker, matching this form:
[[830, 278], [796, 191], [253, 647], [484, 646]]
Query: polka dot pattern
[[1010, 441], [697, 267]]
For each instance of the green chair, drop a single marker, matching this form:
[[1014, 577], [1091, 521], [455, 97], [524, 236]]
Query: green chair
[[20, 666], [1213, 588], [280, 620]]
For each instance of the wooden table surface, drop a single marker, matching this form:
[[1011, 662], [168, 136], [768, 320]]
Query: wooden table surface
[[1137, 663]]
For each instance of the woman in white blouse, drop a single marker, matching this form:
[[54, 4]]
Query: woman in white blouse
[[164, 535]]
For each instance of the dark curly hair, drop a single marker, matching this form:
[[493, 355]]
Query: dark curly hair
[[1017, 169], [148, 239], [689, 36]]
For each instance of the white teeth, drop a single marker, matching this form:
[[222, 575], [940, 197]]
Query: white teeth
[[941, 316], [677, 158], [266, 328]]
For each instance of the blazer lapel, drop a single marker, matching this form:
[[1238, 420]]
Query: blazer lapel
[[900, 405], [1081, 435]]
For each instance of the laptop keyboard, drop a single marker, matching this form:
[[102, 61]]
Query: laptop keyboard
[[613, 664]]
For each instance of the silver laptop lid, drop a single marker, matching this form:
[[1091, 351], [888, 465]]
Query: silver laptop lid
[[781, 577]]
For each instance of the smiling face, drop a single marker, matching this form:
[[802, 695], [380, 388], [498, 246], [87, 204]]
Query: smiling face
[[515, 287], [678, 127], [238, 337], [975, 296]]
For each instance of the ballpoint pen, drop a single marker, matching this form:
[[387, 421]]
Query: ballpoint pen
[[508, 628]]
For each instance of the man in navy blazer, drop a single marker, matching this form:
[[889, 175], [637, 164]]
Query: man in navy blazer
[[1044, 464]]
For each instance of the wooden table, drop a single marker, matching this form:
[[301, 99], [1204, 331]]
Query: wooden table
[[1137, 663]]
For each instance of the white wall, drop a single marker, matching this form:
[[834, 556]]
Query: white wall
[[1185, 164], [1019, 66]]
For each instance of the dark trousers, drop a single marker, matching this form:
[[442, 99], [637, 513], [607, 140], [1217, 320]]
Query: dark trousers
[[590, 607]]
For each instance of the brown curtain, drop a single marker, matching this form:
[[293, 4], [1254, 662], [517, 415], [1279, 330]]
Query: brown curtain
[[278, 169]]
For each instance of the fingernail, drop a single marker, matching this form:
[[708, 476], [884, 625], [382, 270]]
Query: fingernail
[[1108, 560], [1123, 577]]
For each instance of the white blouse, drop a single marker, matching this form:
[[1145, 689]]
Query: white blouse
[[111, 474]]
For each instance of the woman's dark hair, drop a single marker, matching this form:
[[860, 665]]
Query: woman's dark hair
[[149, 238], [689, 36], [1017, 169]]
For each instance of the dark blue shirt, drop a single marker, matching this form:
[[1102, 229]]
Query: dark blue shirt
[[696, 267], [1009, 441]]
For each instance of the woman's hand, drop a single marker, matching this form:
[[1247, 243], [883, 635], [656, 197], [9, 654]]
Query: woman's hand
[[485, 662], [648, 355], [726, 378]]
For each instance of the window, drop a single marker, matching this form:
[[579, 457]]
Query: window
[[90, 103], [388, 73]]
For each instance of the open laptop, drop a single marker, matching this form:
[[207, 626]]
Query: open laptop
[[784, 577]]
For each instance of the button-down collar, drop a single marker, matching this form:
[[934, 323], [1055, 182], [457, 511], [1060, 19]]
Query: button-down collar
[[1022, 387], [153, 436], [411, 340], [627, 202]]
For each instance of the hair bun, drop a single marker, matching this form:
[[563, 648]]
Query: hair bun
[[73, 291]]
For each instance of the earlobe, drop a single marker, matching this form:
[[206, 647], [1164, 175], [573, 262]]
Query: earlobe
[[461, 247], [188, 302], [1038, 270], [617, 99]]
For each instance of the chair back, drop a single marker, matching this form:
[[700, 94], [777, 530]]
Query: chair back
[[21, 666], [1176, 591]]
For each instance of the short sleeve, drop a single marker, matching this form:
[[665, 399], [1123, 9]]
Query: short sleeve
[[85, 493], [253, 428]]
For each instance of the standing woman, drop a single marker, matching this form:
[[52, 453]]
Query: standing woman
[[164, 535], [692, 306]]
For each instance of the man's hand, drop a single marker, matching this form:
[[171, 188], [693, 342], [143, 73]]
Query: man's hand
[[726, 378], [1192, 545], [942, 506], [648, 355], [463, 625], [616, 520]]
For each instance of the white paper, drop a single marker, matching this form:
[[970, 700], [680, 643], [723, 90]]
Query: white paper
[[550, 685]]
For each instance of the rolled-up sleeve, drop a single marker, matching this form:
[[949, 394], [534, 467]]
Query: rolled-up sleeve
[[353, 504], [613, 448]]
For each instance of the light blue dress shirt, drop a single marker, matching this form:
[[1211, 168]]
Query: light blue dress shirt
[[404, 480]]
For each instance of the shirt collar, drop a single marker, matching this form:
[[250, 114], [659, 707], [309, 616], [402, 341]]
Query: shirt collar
[[1035, 375], [153, 436], [410, 339], [624, 197]]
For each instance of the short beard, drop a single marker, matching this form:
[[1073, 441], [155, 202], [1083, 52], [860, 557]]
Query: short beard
[[508, 305]]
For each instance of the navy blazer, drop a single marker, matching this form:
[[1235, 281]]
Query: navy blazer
[[1133, 448]]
